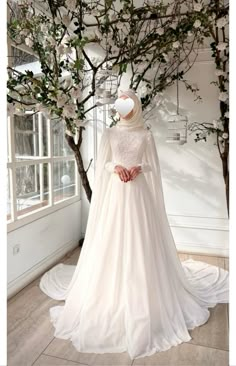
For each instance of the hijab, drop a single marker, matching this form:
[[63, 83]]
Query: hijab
[[137, 118]]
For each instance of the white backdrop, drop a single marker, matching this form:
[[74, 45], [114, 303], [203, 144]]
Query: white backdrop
[[192, 173]]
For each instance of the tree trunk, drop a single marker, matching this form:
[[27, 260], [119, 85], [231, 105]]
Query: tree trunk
[[80, 164], [226, 178]]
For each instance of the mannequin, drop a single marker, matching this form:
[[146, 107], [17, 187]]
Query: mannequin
[[129, 292]]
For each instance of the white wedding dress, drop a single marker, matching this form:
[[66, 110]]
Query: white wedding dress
[[129, 291]]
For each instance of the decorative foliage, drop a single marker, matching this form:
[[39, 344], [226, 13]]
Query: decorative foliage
[[157, 43], [218, 26]]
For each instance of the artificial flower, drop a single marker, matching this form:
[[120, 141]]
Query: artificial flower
[[223, 96], [221, 46], [197, 7], [221, 22], [160, 31], [197, 23], [176, 44]]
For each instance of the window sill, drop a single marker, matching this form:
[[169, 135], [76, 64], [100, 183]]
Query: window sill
[[42, 211]]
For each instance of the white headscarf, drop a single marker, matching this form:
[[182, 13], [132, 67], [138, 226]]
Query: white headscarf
[[137, 118]]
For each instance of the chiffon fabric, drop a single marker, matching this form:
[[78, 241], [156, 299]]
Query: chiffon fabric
[[129, 292]]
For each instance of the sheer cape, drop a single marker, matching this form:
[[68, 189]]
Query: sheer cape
[[207, 283]]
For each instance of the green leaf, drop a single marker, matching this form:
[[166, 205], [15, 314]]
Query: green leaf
[[79, 64]]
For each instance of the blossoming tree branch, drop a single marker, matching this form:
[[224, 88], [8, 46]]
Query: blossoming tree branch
[[157, 42], [218, 25]]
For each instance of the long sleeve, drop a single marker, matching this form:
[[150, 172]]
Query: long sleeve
[[109, 166], [145, 165]]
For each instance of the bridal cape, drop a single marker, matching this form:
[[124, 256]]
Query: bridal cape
[[129, 291]]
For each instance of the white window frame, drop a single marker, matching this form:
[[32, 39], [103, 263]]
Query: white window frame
[[17, 222]]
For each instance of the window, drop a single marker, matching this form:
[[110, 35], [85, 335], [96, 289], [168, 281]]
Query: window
[[42, 174]]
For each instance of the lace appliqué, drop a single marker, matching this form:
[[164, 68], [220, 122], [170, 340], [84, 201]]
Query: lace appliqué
[[128, 149]]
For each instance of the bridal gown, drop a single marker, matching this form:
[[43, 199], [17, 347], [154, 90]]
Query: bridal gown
[[129, 291]]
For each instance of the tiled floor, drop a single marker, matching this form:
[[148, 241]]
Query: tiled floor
[[31, 340]]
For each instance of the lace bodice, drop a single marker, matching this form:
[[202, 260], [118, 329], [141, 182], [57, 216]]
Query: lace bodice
[[127, 148]]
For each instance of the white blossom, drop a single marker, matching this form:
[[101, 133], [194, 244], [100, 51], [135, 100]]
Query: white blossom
[[61, 100], [61, 49], [223, 96], [44, 28], [125, 16], [75, 93], [166, 57], [160, 31], [69, 110], [221, 46], [119, 25], [57, 20], [226, 114], [190, 34], [68, 50], [197, 7], [68, 82], [221, 22], [215, 123], [71, 4], [29, 42], [197, 23], [219, 72], [24, 32], [173, 25], [176, 44], [79, 122], [218, 124], [212, 17], [168, 80], [225, 135], [113, 17], [52, 41], [66, 20]]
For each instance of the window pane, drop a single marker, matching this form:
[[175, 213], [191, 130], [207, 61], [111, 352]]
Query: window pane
[[20, 58], [31, 188], [60, 145], [8, 197], [64, 180], [30, 136]]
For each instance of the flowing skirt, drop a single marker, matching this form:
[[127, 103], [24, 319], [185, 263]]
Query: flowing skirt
[[123, 294]]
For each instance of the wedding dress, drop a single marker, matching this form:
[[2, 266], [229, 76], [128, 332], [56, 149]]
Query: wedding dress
[[129, 291]]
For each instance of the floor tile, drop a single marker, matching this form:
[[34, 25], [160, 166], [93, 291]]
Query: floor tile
[[65, 349], [215, 261], [186, 354], [214, 333], [45, 360]]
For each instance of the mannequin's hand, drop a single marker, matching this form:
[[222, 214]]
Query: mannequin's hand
[[134, 171], [123, 173]]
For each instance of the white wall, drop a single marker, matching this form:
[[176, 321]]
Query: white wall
[[42, 242], [192, 173]]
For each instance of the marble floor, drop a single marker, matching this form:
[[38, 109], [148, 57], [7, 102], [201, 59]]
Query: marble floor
[[31, 341]]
